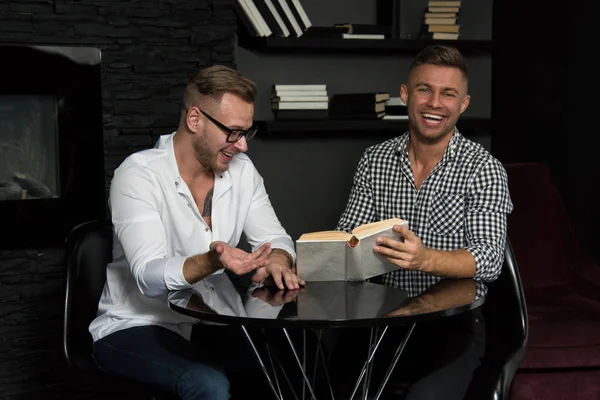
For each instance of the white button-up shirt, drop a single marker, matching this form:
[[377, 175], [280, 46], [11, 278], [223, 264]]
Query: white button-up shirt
[[157, 225]]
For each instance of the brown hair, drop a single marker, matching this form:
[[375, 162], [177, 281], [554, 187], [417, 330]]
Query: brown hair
[[216, 80], [437, 54]]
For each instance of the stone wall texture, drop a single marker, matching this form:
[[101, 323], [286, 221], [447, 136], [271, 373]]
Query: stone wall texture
[[149, 49]]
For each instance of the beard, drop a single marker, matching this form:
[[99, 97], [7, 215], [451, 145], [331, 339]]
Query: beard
[[205, 155]]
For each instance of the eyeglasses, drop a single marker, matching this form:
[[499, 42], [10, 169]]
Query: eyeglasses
[[233, 135]]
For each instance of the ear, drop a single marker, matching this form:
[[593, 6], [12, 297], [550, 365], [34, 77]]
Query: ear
[[193, 120], [404, 93], [465, 103]]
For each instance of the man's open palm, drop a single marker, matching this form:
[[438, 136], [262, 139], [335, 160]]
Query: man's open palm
[[239, 261]]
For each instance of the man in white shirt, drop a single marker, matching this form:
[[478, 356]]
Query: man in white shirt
[[178, 212]]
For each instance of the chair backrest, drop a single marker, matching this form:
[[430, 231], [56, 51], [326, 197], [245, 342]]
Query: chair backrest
[[507, 330], [88, 250]]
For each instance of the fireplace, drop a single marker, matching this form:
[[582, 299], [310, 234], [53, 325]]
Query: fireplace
[[51, 143]]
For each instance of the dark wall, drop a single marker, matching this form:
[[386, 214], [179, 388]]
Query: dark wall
[[543, 84], [148, 49], [581, 180]]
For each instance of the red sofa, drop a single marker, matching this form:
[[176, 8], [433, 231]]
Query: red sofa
[[562, 293]]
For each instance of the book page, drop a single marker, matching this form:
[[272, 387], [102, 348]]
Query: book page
[[324, 235], [376, 227]]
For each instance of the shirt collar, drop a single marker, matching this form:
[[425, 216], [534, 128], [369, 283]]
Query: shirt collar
[[450, 153], [166, 142]]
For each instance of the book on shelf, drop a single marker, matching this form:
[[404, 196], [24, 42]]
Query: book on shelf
[[285, 99], [440, 15], [395, 117], [342, 256], [300, 105], [443, 28], [444, 36], [440, 21], [363, 36], [366, 29], [264, 27], [454, 10], [298, 115], [292, 93], [368, 97], [395, 101], [355, 107], [300, 14], [325, 32], [445, 3], [395, 106], [272, 17], [247, 18], [358, 116], [284, 10], [298, 87]]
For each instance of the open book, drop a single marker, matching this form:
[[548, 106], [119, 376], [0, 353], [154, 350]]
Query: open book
[[342, 256]]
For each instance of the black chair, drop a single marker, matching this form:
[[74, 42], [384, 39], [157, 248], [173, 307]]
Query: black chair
[[88, 251], [507, 328]]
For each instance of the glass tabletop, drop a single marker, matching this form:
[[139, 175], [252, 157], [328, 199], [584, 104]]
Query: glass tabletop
[[325, 304]]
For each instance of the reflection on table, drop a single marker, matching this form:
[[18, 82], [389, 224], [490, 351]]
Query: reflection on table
[[325, 304]]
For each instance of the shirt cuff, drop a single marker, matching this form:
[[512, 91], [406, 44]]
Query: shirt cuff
[[173, 274], [484, 270]]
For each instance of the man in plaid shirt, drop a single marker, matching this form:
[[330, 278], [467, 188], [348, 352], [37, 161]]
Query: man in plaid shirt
[[455, 197], [451, 191]]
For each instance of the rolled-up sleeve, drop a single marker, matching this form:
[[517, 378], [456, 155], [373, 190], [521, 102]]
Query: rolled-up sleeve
[[134, 199], [262, 225], [488, 207]]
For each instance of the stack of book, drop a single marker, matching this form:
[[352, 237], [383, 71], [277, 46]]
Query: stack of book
[[395, 108], [346, 31], [273, 17], [364, 31], [441, 19], [300, 101], [358, 105]]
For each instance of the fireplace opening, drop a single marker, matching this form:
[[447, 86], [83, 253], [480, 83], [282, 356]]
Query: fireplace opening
[[28, 148], [51, 143]]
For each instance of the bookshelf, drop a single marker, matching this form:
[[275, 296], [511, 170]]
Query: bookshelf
[[278, 129], [280, 45], [360, 65]]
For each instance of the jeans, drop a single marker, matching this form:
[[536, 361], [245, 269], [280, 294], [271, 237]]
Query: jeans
[[162, 359]]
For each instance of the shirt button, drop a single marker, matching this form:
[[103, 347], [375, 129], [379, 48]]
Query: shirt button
[[206, 229]]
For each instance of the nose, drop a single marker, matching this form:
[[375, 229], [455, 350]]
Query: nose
[[241, 145], [434, 100]]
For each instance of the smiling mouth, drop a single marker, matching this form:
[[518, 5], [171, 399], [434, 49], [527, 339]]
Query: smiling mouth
[[226, 154], [432, 117]]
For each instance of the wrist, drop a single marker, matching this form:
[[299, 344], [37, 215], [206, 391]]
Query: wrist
[[284, 256], [428, 260], [200, 266]]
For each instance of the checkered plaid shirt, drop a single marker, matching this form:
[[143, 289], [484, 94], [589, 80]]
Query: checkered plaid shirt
[[463, 203]]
